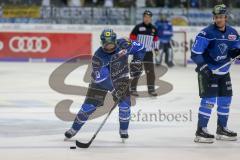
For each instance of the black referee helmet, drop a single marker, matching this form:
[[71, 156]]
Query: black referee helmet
[[147, 12]]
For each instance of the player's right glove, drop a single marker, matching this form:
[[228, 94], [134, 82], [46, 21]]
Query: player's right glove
[[204, 70], [121, 90], [136, 68]]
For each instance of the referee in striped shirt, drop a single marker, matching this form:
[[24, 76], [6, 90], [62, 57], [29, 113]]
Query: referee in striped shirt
[[146, 33]]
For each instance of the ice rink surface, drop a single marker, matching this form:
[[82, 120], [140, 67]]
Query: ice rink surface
[[29, 129]]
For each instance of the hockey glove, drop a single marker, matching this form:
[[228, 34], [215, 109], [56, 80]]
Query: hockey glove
[[136, 68], [122, 89], [204, 70], [234, 53]]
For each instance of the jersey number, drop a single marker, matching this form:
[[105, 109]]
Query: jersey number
[[136, 44]]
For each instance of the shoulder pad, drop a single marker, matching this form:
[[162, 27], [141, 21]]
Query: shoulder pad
[[96, 62]]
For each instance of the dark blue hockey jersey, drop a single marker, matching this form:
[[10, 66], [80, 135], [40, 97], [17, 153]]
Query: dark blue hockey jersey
[[101, 61], [213, 47], [165, 31]]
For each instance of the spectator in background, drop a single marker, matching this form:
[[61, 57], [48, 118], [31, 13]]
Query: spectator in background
[[94, 2], [141, 3], [237, 4], [108, 3], [150, 3], [45, 2], [16, 1], [126, 3], [184, 3], [194, 3], [76, 3]]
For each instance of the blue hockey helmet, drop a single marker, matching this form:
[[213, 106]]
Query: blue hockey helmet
[[108, 40], [220, 9]]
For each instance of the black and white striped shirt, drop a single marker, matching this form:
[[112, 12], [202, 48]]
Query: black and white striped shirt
[[147, 35]]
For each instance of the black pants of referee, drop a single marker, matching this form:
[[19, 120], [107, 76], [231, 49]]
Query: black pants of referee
[[149, 71]]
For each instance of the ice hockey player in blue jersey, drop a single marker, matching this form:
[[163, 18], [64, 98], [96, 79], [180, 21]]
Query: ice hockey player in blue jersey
[[102, 83], [215, 46], [165, 33]]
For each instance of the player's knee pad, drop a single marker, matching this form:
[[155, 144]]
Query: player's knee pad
[[95, 96], [124, 110], [208, 102], [224, 101], [223, 105], [85, 112], [206, 106], [88, 108]]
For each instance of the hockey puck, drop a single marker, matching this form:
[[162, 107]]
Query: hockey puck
[[72, 147]]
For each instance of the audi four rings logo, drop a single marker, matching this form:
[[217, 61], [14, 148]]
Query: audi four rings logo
[[29, 44]]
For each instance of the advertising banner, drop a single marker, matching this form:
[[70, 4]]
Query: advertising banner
[[44, 45], [21, 12]]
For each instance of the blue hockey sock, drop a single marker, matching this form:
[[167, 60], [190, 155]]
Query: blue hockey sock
[[124, 113], [82, 116], [223, 110], [205, 111]]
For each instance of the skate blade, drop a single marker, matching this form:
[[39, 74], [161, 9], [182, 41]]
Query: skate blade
[[203, 140], [225, 138], [124, 140]]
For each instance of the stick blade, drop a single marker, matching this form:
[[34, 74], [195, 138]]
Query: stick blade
[[82, 145]]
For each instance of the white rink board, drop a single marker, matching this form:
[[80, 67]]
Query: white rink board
[[122, 30]]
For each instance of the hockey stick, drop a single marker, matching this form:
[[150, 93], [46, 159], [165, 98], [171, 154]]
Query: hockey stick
[[86, 145], [217, 71]]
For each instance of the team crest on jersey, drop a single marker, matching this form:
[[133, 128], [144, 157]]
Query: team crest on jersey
[[142, 29], [232, 37], [223, 48]]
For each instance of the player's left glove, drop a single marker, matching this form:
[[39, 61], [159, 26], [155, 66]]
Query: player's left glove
[[235, 53], [136, 68], [204, 70]]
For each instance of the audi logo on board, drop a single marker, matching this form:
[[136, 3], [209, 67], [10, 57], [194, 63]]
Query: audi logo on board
[[30, 44]]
